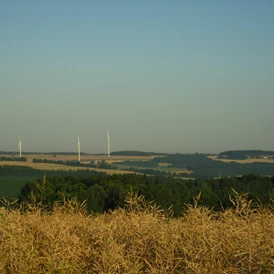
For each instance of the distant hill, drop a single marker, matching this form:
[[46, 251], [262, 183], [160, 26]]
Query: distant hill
[[44, 153], [245, 154], [136, 153]]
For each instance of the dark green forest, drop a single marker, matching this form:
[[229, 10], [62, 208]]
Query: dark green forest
[[11, 170], [104, 192]]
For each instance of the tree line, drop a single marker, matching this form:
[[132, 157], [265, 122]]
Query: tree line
[[104, 192], [13, 159], [245, 154]]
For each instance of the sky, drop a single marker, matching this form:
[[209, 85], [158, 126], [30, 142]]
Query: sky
[[179, 76]]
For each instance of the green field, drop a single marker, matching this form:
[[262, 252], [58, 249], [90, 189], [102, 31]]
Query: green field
[[10, 186], [159, 168]]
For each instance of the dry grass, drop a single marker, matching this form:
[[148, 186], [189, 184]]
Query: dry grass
[[183, 171], [245, 161], [140, 239], [165, 164]]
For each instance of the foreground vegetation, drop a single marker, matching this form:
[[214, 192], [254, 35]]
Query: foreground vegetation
[[104, 192], [140, 238]]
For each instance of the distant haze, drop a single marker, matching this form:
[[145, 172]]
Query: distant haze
[[162, 76]]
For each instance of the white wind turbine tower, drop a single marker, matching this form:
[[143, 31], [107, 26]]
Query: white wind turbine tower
[[79, 146], [20, 148], [108, 137]]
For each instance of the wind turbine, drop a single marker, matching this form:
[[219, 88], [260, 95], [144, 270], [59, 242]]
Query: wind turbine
[[20, 148], [108, 138], [79, 146]]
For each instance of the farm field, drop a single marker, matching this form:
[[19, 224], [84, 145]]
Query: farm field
[[245, 161], [48, 166], [84, 159], [10, 186]]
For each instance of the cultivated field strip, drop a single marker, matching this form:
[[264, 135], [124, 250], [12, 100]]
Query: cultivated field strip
[[245, 161], [47, 166]]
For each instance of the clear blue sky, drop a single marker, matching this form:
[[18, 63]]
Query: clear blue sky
[[164, 76]]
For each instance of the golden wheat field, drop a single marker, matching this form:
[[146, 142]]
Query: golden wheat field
[[139, 239], [246, 161]]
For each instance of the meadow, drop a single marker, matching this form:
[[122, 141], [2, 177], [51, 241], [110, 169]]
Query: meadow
[[138, 239], [10, 186]]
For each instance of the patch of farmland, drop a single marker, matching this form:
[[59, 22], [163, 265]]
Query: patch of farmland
[[165, 164], [47, 166], [245, 161], [85, 158], [10, 186]]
